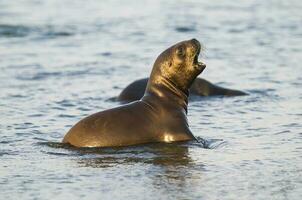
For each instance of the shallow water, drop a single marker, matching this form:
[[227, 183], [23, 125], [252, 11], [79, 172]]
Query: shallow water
[[62, 61]]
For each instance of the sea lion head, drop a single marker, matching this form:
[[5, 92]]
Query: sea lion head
[[179, 64]]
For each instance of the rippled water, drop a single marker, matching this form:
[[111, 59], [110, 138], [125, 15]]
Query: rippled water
[[61, 61]]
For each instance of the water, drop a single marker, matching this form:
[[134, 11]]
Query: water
[[61, 61]]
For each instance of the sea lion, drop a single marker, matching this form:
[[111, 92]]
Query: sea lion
[[200, 87], [160, 116]]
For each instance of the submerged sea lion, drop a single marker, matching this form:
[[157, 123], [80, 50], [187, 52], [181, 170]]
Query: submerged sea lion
[[200, 87], [160, 116]]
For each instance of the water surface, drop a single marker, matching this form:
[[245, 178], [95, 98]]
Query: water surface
[[61, 61]]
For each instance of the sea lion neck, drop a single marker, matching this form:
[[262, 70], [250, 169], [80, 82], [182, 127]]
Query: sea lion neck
[[166, 90]]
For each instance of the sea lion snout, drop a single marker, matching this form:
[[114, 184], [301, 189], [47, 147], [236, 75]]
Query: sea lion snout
[[200, 66], [196, 45]]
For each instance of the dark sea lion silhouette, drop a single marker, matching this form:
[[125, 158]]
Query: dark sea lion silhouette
[[200, 87]]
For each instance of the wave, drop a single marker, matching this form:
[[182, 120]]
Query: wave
[[47, 31]]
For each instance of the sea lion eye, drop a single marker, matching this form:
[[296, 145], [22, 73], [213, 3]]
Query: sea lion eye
[[181, 52]]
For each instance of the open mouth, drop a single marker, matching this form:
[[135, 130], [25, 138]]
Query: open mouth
[[198, 65]]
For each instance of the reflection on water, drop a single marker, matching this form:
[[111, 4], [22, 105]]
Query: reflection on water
[[161, 154], [167, 166]]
